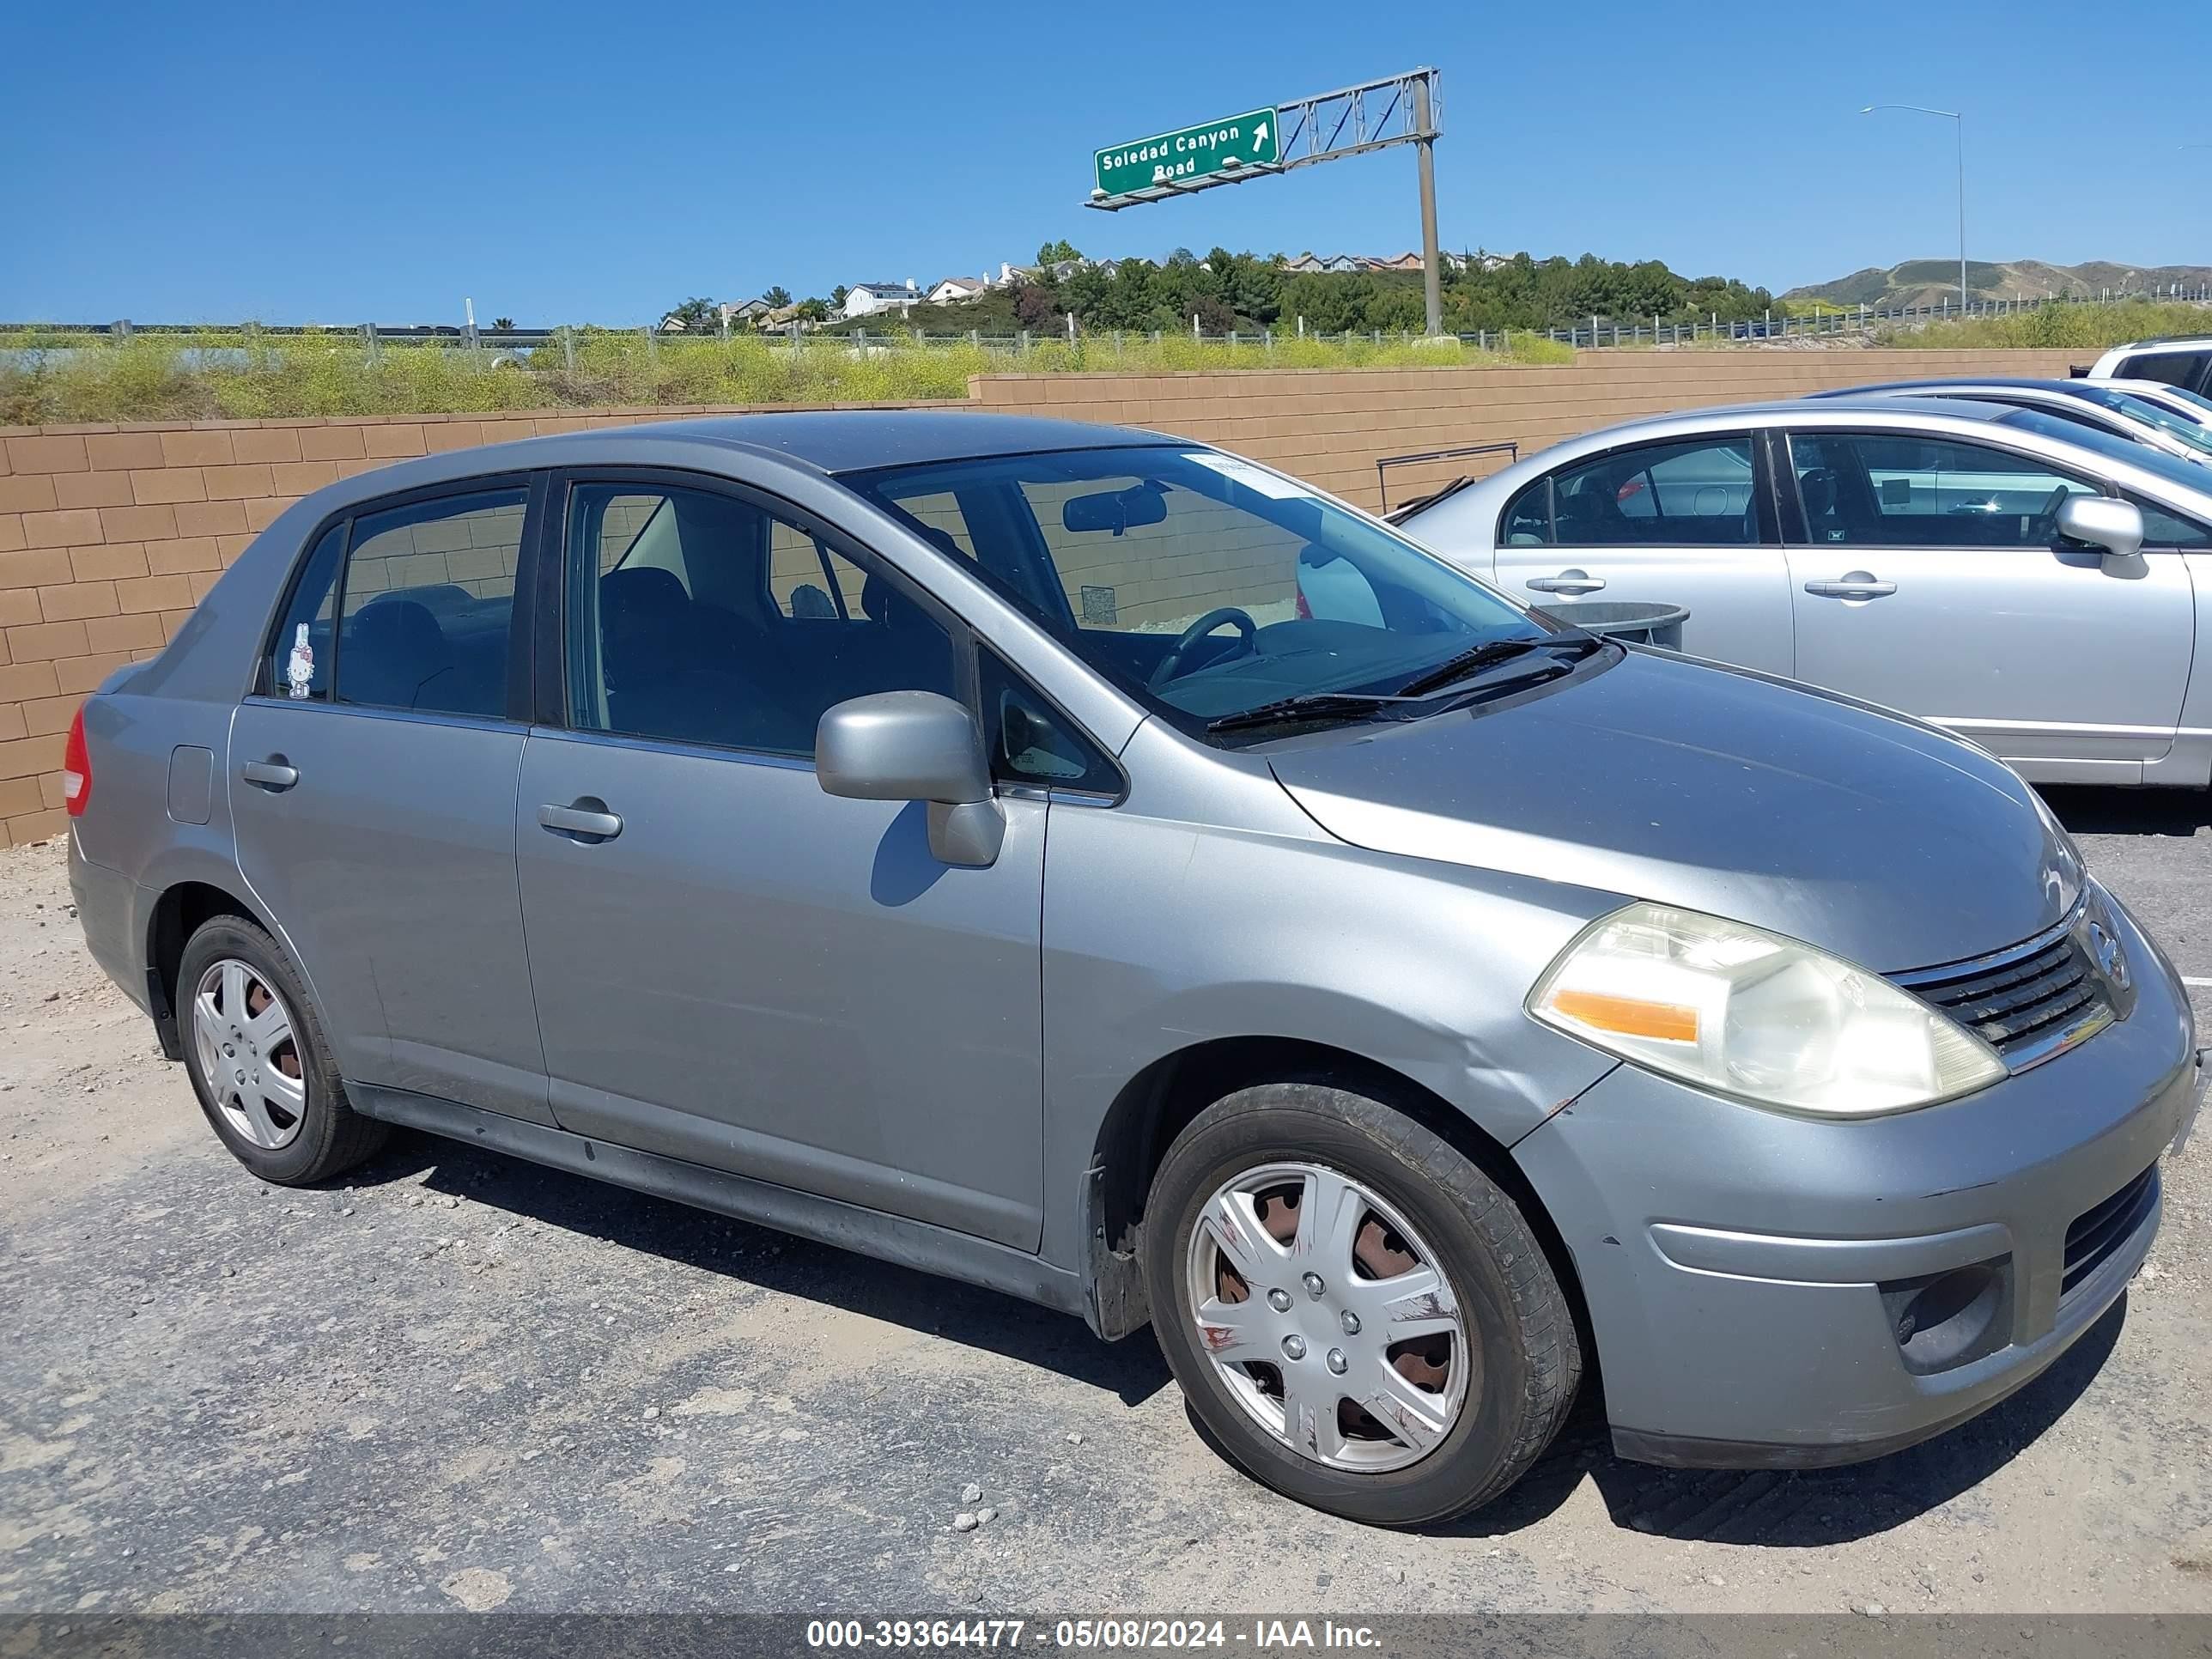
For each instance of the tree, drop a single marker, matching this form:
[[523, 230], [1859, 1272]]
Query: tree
[[696, 314], [1037, 307], [1053, 253], [818, 311], [504, 325], [777, 298], [837, 297]]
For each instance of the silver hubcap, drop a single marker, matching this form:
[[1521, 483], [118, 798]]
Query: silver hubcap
[[1327, 1319], [249, 1055]]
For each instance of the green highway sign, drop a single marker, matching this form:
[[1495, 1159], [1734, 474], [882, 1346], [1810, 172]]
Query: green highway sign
[[1190, 152]]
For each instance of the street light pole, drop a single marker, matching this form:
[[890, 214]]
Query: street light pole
[[1959, 123]]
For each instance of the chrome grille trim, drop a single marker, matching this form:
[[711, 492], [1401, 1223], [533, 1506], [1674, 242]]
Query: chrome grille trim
[[2030, 1002]]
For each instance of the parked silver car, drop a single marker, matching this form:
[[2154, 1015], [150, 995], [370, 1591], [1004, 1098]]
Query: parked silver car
[[1096, 867], [2032, 584], [2104, 405]]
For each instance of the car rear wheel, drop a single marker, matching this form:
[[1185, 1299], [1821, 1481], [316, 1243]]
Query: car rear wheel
[[1358, 1316], [258, 1061]]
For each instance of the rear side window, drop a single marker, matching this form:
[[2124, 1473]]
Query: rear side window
[[299, 657], [1697, 493], [2182, 368], [1528, 518], [427, 604]]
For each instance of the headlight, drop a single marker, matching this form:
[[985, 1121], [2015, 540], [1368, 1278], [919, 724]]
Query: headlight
[[1745, 1012]]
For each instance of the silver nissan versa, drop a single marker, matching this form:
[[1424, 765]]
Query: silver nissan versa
[[1096, 867]]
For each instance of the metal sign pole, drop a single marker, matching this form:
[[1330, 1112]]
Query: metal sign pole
[[1424, 148], [1329, 126]]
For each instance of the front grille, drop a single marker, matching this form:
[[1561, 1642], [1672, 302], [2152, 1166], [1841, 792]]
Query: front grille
[[2028, 1003], [2096, 1233]]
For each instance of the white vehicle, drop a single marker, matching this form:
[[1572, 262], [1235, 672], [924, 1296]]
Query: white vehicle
[[2186, 363]]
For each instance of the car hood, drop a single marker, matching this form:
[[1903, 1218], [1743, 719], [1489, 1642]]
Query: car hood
[[1871, 836]]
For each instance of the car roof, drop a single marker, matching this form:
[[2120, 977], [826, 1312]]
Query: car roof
[[1962, 382], [2164, 341], [835, 441], [1784, 410]]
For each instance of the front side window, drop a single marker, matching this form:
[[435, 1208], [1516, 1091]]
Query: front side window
[[1030, 742], [1203, 585], [1885, 489], [700, 618], [1695, 493], [427, 603]]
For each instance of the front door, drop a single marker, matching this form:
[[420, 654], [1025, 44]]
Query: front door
[[732, 966], [376, 813], [1674, 523], [1931, 577]]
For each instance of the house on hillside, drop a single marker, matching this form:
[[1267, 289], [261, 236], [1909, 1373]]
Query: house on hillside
[[746, 314], [953, 289], [866, 299], [1409, 260], [1313, 262], [777, 316]]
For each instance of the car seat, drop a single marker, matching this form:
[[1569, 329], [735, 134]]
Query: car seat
[[393, 656]]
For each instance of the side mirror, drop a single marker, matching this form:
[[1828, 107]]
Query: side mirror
[[2100, 522], [915, 745]]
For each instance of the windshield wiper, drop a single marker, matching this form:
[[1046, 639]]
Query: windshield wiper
[[1454, 669], [1306, 706], [1317, 706]]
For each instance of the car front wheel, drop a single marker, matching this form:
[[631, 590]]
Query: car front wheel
[[1358, 1316]]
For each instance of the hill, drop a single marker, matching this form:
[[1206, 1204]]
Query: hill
[[1929, 282]]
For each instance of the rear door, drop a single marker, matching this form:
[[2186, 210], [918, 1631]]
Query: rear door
[[1687, 523], [375, 812], [1929, 576]]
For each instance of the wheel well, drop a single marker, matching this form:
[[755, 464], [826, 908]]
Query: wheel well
[[1160, 1102], [177, 914]]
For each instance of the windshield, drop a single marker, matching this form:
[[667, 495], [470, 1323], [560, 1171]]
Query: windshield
[[2171, 394], [2150, 414], [2175, 470], [1205, 586]]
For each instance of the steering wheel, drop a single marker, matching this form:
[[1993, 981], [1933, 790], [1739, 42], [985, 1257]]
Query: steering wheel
[[2044, 527], [1171, 665]]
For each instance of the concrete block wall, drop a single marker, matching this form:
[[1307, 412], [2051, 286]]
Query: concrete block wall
[[109, 535]]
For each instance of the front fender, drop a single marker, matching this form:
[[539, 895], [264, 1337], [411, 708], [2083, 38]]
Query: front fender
[[1158, 940]]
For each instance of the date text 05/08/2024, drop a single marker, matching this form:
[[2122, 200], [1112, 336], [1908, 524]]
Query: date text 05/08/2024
[[1106, 1635]]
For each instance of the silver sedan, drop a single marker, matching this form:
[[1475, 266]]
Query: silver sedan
[[2036, 586]]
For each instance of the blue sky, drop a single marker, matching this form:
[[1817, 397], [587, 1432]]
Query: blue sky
[[216, 160]]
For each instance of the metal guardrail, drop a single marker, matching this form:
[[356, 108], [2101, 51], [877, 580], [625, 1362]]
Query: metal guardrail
[[1598, 332]]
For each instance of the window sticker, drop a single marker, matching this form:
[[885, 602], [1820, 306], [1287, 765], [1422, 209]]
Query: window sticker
[[1252, 477]]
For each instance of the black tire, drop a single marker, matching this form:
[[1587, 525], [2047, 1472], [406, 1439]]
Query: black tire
[[1530, 1362], [332, 1136]]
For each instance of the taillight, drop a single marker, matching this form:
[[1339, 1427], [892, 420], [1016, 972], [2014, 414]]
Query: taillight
[[76, 769]]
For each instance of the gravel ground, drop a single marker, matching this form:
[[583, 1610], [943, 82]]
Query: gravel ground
[[457, 1381]]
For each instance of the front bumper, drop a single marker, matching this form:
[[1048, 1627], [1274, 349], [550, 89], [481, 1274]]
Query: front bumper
[[1747, 1272]]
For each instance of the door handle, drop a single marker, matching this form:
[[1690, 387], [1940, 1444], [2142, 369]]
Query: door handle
[[588, 818], [1567, 581], [1852, 584], [273, 774]]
